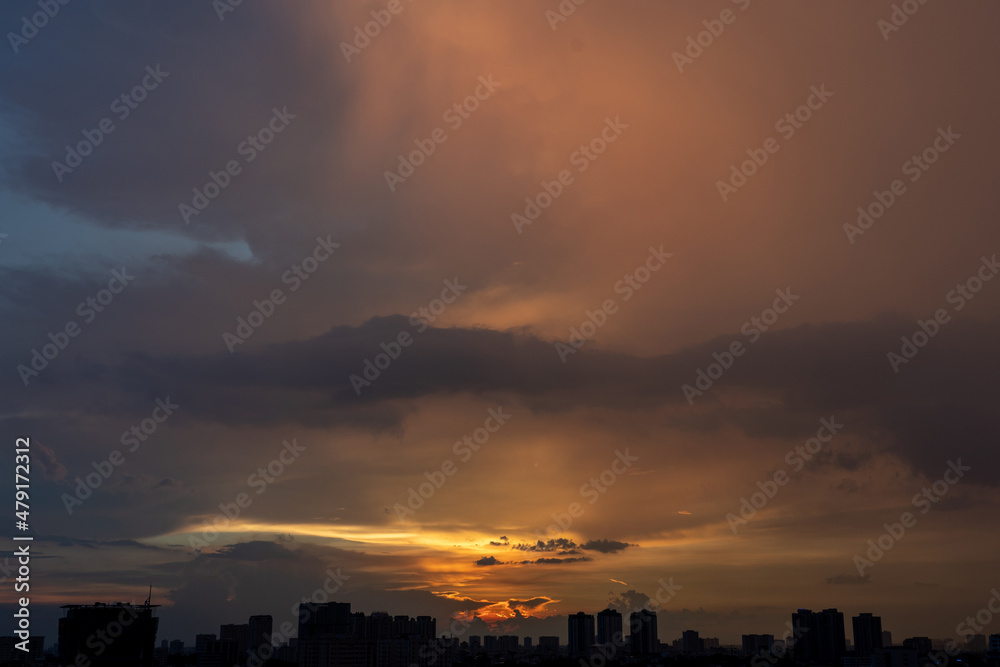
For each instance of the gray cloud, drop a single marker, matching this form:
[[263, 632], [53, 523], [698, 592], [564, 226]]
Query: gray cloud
[[605, 546], [849, 579], [488, 560], [944, 397]]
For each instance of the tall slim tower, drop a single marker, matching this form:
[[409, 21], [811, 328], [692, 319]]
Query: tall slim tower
[[643, 638], [609, 627], [867, 634], [690, 642], [820, 636], [260, 631], [581, 634]]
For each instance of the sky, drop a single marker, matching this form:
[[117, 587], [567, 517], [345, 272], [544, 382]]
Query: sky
[[504, 311]]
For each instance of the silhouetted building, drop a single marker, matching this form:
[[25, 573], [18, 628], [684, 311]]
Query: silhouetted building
[[36, 649], [548, 645], [867, 634], [7, 649], [922, 645], [690, 642], [176, 647], [288, 652], [782, 648], [757, 644], [329, 634], [10, 653], [344, 652], [259, 631], [426, 627], [851, 660], [896, 656], [821, 636], [508, 644], [581, 634], [527, 644], [975, 643], [609, 627], [160, 653], [643, 639], [886, 639], [108, 634], [402, 626], [201, 642], [332, 619], [239, 634], [219, 653], [994, 646]]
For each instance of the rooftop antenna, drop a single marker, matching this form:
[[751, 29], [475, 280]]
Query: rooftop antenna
[[150, 595]]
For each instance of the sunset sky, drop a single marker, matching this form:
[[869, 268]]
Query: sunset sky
[[548, 289]]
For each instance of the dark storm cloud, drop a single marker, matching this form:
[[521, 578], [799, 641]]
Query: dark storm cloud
[[488, 560], [218, 84], [938, 407], [605, 546], [224, 79]]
